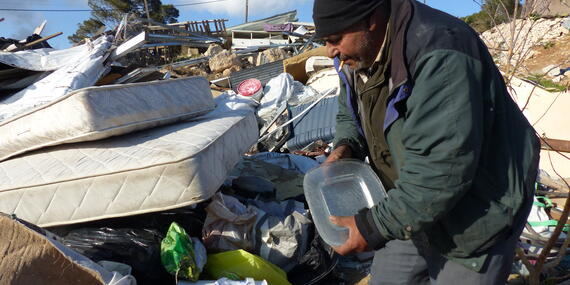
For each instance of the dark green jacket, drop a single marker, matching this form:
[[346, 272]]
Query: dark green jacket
[[444, 134]]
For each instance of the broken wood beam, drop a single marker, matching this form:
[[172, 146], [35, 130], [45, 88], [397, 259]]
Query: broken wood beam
[[555, 145], [37, 41]]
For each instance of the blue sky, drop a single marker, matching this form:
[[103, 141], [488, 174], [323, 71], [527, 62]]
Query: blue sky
[[21, 24]]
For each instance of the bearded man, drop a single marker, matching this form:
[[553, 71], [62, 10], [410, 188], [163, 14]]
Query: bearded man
[[423, 100]]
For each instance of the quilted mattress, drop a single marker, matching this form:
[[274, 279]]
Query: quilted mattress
[[99, 112], [147, 171]]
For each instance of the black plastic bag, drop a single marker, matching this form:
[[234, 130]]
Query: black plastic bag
[[316, 265], [139, 248]]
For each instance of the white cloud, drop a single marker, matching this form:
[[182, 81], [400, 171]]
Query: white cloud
[[257, 8]]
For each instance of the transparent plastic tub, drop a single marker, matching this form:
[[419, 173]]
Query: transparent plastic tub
[[341, 188]]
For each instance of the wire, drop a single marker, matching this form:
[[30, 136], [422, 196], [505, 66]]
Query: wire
[[90, 10]]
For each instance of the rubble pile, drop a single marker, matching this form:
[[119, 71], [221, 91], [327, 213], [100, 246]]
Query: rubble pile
[[527, 34], [165, 155]]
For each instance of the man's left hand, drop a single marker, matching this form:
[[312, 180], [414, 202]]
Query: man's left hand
[[355, 242]]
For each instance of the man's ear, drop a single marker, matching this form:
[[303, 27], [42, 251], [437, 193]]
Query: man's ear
[[372, 21], [378, 17]]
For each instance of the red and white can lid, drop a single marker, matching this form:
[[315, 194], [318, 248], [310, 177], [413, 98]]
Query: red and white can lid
[[249, 87]]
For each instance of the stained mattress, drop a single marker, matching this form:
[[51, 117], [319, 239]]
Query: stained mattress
[[147, 171], [100, 112]]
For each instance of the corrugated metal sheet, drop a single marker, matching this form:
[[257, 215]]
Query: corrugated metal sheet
[[263, 73], [318, 124], [290, 16]]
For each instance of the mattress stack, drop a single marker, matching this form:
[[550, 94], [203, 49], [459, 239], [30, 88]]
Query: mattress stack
[[121, 150]]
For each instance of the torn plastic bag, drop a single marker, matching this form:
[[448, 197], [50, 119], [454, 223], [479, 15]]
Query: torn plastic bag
[[224, 281], [228, 225], [280, 90], [182, 256], [288, 183], [139, 248], [317, 263], [275, 231], [281, 232], [288, 161], [254, 187], [240, 264]]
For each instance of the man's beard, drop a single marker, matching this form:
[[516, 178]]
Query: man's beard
[[366, 55]]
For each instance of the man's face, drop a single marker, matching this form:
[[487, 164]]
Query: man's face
[[354, 46]]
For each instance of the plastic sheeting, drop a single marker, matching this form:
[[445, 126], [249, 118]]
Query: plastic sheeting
[[81, 71], [45, 59], [281, 90], [287, 161]]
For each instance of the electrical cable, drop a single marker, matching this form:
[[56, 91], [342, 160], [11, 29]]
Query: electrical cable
[[91, 10]]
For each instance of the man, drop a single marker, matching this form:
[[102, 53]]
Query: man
[[424, 101]]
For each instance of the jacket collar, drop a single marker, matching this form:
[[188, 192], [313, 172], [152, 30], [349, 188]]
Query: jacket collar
[[401, 14]]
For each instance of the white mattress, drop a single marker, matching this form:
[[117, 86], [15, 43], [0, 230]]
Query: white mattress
[[99, 112], [151, 170]]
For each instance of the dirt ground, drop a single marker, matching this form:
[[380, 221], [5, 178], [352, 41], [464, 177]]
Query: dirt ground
[[552, 53]]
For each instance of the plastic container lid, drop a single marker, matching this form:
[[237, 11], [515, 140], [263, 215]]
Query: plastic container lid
[[341, 188], [250, 88]]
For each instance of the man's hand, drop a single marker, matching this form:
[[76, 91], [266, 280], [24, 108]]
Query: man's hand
[[343, 151], [355, 242]]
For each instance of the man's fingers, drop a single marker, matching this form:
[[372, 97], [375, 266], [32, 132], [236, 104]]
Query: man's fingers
[[339, 221]]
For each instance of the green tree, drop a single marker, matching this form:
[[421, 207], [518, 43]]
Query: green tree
[[110, 12], [493, 12], [86, 29]]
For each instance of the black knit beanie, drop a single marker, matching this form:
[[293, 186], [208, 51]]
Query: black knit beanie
[[333, 16]]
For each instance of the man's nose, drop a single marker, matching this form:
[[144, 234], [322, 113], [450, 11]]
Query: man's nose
[[332, 51]]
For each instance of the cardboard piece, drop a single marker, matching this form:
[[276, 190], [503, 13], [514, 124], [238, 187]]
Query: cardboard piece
[[27, 257], [296, 65]]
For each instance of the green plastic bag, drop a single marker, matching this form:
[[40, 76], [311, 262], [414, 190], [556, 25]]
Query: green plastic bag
[[177, 254], [240, 264]]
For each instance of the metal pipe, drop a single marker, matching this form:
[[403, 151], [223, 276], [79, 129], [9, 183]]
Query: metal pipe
[[246, 9]]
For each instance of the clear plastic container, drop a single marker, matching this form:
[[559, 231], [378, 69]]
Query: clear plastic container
[[341, 188]]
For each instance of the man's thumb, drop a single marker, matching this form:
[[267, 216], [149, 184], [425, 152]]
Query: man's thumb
[[335, 220]]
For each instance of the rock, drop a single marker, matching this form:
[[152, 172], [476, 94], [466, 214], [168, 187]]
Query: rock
[[231, 70], [558, 79], [532, 34], [271, 55], [251, 60], [213, 49], [551, 70], [192, 71], [223, 61]]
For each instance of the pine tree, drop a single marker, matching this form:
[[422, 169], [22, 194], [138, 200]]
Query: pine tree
[[110, 12], [493, 12]]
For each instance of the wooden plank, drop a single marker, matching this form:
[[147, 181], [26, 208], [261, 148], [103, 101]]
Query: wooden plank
[[129, 46], [38, 41], [554, 144], [38, 30]]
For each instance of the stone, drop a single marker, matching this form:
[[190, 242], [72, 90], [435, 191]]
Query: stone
[[192, 71], [231, 70], [558, 79], [251, 60], [223, 61], [271, 55], [188, 51], [213, 49], [551, 70]]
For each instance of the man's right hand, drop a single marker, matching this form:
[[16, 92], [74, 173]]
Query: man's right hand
[[343, 151]]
